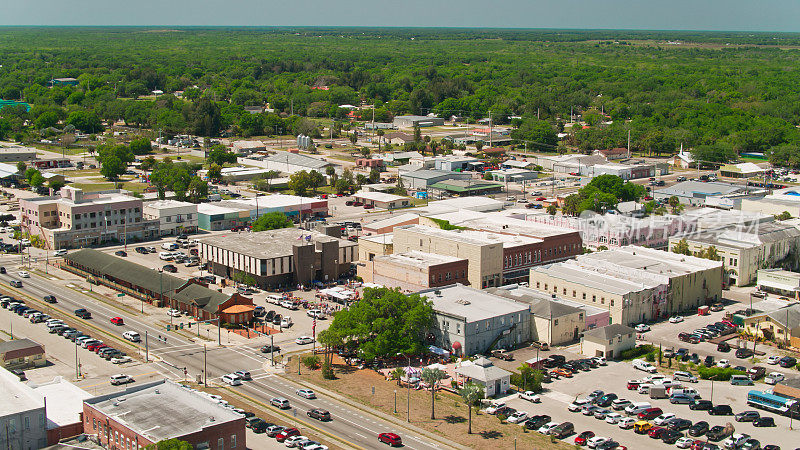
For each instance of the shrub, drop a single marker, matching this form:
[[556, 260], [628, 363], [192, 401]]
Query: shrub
[[718, 373], [637, 352], [327, 371], [501, 417], [310, 361]]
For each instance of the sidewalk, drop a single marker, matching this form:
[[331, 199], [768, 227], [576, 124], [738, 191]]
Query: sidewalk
[[364, 408]]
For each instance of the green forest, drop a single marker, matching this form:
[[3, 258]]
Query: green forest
[[721, 93]]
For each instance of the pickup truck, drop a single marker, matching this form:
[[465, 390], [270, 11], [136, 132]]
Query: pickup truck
[[502, 354]]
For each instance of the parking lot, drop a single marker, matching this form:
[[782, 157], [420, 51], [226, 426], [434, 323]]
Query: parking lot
[[613, 377]]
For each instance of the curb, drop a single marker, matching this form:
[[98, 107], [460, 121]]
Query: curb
[[400, 424]]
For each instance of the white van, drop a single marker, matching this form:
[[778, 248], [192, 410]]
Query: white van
[[132, 336], [169, 246], [641, 364], [275, 299], [635, 408], [166, 256]]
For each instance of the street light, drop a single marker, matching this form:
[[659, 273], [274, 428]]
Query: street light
[[408, 386]]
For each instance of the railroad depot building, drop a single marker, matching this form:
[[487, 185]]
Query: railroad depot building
[[159, 288], [278, 258], [146, 414]]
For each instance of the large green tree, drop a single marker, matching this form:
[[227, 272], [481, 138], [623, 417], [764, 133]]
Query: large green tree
[[384, 323], [170, 444], [272, 221]]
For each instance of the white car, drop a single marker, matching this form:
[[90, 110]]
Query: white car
[[174, 313], [626, 422], [306, 393], [530, 396], [684, 442], [304, 340], [23, 274], [492, 409], [61, 252], [518, 417], [121, 359], [736, 440], [774, 378], [773, 360], [548, 427], [600, 360], [613, 418], [662, 419], [294, 440], [120, 379], [723, 363], [676, 319], [317, 313], [232, 379], [641, 328], [577, 405], [595, 441], [166, 256]]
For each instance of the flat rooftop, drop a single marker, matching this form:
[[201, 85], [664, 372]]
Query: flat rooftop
[[658, 262], [471, 237], [471, 304], [393, 220], [501, 223], [17, 396], [64, 401], [271, 243], [417, 259], [379, 196], [275, 201], [167, 204], [216, 209], [386, 238], [162, 410], [570, 272], [532, 296]]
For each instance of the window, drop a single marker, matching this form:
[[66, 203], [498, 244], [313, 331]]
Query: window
[[220, 443], [584, 295], [612, 302], [565, 291], [233, 441], [594, 298], [27, 423], [94, 423], [573, 293], [555, 322], [537, 285]]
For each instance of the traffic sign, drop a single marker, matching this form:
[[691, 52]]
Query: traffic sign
[[120, 295]]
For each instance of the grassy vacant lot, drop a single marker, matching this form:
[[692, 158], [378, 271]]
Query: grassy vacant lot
[[451, 413]]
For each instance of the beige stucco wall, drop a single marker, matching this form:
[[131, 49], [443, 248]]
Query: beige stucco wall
[[561, 331], [609, 350]]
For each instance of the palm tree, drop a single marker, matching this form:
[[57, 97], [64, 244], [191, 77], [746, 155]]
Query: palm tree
[[471, 393], [398, 374], [432, 377]]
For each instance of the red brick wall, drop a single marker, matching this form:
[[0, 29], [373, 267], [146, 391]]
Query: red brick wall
[[209, 434], [54, 435], [458, 274]]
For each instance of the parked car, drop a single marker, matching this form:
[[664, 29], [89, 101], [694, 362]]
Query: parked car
[[583, 438], [721, 410], [391, 439], [746, 416], [717, 433], [698, 429], [787, 361], [764, 422]]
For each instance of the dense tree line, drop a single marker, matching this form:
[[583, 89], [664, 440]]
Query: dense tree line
[[726, 99]]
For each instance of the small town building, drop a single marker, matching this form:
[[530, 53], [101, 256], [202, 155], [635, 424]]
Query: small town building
[[16, 153], [613, 153], [609, 341], [174, 217], [470, 321], [414, 271], [20, 406], [371, 246], [247, 147], [466, 187], [741, 170], [279, 258], [513, 175], [382, 200], [495, 381], [288, 162], [454, 163], [422, 179], [683, 160], [148, 413], [22, 354], [696, 193], [387, 225], [778, 281], [64, 403], [778, 325], [398, 138]]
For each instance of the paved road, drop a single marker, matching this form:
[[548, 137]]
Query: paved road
[[349, 425]]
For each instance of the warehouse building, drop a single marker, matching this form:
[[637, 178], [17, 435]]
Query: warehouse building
[[466, 187], [781, 282], [146, 414], [14, 153], [279, 258], [421, 179], [287, 162], [382, 200], [696, 193], [417, 121], [414, 271]]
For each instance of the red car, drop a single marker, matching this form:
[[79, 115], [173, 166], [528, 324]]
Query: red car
[[369, 206], [97, 348], [92, 347], [650, 413], [697, 444], [656, 432], [540, 199], [648, 198], [117, 321], [582, 438], [287, 433], [391, 439], [633, 385]]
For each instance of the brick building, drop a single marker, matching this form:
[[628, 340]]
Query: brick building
[[415, 271], [148, 413]]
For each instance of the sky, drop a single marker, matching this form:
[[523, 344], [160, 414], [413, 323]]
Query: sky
[[718, 15]]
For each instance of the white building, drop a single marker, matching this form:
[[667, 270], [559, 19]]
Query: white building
[[23, 415], [174, 217]]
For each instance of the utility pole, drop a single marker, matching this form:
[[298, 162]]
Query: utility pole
[[77, 364], [491, 141], [629, 143], [272, 350], [146, 348], [205, 366]]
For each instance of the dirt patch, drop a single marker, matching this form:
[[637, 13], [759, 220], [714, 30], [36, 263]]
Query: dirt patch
[[372, 390]]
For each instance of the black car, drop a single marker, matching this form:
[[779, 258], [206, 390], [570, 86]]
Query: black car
[[536, 422], [723, 347], [709, 361], [2, 270], [50, 299], [276, 320], [764, 422], [170, 268], [83, 313], [695, 358], [250, 421], [721, 410], [716, 433], [671, 436], [270, 349], [698, 429], [770, 447], [141, 250], [122, 253], [260, 426], [679, 424], [701, 405], [787, 361], [605, 400], [756, 372], [744, 353]]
